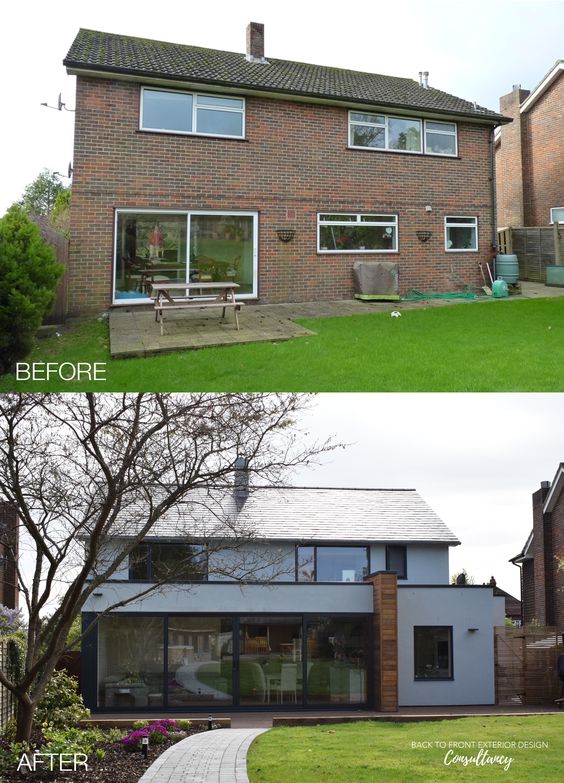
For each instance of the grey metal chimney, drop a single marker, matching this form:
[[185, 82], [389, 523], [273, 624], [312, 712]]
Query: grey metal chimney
[[241, 484], [426, 79], [255, 42]]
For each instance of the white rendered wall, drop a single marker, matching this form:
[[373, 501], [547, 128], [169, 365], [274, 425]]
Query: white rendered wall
[[473, 652], [427, 564]]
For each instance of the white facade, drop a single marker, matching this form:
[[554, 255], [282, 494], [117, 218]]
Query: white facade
[[463, 608]]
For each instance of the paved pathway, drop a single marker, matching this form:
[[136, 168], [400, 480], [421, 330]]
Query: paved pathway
[[218, 756]]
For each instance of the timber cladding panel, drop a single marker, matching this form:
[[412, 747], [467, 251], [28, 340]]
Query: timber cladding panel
[[526, 665], [293, 161], [385, 626]]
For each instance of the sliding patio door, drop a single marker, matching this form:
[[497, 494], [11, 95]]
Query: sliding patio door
[[180, 246]]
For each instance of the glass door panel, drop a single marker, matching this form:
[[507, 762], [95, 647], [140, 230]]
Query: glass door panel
[[222, 250], [270, 660], [200, 661], [337, 661], [150, 247]]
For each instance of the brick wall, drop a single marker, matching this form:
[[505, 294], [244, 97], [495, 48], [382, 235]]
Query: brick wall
[[530, 158], [8, 555], [295, 157], [543, 170], [541, 530], [558, 552]]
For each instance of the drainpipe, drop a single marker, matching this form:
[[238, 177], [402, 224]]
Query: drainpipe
[[493, 196]]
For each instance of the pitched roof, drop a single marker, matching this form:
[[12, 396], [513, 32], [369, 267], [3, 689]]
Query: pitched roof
[[554, 73], [93, 50], [300, 514]]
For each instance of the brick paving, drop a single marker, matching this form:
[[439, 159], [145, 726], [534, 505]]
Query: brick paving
[[218, 756]]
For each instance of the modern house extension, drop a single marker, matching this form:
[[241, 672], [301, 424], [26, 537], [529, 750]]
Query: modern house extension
[[195, 164], [309, 598]]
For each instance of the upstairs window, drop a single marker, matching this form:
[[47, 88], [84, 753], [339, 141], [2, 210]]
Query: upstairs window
[[347, 233], [331, 563], [404, 134], [192, 113], [176, 562], [396, 560]]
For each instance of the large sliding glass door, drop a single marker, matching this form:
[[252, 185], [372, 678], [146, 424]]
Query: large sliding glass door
[[182, 246], [191, 662]]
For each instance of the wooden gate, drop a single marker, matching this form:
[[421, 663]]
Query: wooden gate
[[525, 665]]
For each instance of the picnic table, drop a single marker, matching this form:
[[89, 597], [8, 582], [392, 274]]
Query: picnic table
[[224, 298]]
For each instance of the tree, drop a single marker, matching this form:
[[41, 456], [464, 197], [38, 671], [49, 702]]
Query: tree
[[79, 466], [40, 195], [462, 578], [28, 277], [60, 215]]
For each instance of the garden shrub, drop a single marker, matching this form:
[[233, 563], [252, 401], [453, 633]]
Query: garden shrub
[[140, 724], [157, 731], [28, 277], [70, 740], [61, 705]]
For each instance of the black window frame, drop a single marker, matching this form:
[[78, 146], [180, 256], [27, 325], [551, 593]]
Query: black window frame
[[315, 547], [149, 558], [403, 574], [450, 650]]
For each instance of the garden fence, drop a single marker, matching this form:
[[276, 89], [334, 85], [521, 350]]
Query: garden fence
[[7, 703], [535, 248], [525, 665]]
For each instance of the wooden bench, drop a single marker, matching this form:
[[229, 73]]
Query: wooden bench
[[224, 299]]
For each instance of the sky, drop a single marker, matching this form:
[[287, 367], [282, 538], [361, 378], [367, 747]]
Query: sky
[[474, 49], [475, 458]]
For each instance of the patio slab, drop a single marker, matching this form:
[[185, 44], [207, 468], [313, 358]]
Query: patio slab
[[134, 332]]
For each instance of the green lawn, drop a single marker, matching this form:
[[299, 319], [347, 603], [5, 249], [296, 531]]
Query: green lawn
[[506, 345], [389, 752]]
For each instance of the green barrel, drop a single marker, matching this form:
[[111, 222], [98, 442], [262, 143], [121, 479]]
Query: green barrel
[[507, 267]]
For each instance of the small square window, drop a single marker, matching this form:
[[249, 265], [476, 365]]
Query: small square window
[[557, 215], [433, 652], [461, 234]]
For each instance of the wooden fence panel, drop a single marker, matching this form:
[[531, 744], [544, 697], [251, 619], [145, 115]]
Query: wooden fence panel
[[60, 245], [534, 247], [525, 665], [7, 702]]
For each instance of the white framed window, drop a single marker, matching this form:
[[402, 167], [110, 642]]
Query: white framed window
[[440, 138], [556, 215], [402, 134], [172, 111], [461, 234], [357, 233]]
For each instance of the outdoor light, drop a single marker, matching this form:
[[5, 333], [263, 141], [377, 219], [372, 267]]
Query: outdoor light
[[144, 746], [473, 630], [97, 595], [210, 719], [428, 208]]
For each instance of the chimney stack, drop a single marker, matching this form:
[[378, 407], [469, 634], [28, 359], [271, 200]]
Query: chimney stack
[[255, 42], [426, 79], [241, 489]]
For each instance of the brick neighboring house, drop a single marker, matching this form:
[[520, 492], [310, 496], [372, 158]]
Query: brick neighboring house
[[9, 538], [529, 154], [513, 608], [542, 582], [194, 161]]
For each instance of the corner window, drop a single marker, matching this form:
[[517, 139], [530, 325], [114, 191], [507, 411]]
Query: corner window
[[352, 233], [433, 652], [382, 132], [176, 562], [556, 215], [396, 560], [461, 234], [440, 138], [331, 563], [192, 113]]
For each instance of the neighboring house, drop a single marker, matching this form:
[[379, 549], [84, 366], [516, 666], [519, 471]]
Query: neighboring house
[[9, 551], [198, 164], [340, 598], [529, 154], [512, 605], [542, 578]]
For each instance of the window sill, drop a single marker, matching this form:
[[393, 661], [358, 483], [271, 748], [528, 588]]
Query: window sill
[[404, 152], [356, 252], [148, 132]]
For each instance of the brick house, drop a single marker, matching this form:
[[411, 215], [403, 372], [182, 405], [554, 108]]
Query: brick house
[[9, 552], [529, 154], [204, 165], [542, 581], [334, 598]]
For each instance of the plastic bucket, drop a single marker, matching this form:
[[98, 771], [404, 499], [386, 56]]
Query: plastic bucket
[[507, 267]]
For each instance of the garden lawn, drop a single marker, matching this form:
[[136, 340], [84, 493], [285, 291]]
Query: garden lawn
[[503, 345], [379, 751]]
